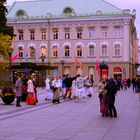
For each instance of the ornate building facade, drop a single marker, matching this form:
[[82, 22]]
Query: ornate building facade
[[74, 36]]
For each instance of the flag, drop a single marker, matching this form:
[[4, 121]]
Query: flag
[[13, 58], [97, 67], [75, 60], [26, 57]]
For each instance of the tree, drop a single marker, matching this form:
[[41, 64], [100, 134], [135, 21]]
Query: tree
[[5, 44], [6, 36]]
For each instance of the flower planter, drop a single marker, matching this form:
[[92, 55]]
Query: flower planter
[[8, 95]]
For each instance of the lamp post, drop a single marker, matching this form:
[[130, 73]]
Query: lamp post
[[10, 51], [62, 62], [43, 59]]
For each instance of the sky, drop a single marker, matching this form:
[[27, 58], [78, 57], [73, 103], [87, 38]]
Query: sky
[[122, 4]]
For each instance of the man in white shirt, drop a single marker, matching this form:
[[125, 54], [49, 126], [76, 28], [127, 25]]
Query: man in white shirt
[[57, 85]]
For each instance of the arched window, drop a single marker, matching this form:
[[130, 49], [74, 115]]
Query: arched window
[[67, 10], [55, 51], [79, 50], [31, 52], [43, 50], [67, 51], [20, 52], [117, 50], [91, 50], [20, 13], [104, 50]]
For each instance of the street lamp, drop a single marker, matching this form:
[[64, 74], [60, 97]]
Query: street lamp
[[62, 62], [10, 51], [43, 59]]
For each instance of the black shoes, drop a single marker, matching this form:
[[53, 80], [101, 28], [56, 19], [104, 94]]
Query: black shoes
[[18, 105]]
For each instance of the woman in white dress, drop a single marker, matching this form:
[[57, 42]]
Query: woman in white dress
[[49, 94]]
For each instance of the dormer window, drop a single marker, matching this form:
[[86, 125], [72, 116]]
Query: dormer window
[[68, 11], [21, 14]]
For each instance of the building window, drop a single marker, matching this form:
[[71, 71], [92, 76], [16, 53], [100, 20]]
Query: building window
[[117, 33], [55, 51], [32, 34], [20, 52], [43, 34], [67, 51], [55, 33], [104, 31], [104, 34], [91, 32], [91, 50], [104, 50], [79, 33], [67, 33], [32, 52], [43, 50], [79, 50], [117, 50], [20, 34]]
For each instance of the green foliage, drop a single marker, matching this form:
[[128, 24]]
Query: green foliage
[[5, 44], [6, 36]]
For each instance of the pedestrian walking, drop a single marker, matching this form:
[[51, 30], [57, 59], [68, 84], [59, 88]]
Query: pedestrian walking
[[18, 91], [138, 86], [111, 88], [125, 84], [134, 84]]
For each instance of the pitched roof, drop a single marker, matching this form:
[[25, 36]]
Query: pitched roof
[[56, 7]]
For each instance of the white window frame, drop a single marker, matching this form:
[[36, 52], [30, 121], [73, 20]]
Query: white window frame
[[79, 51], [104, 50]]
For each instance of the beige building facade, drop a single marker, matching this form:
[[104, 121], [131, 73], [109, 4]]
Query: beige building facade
[[74, 41]]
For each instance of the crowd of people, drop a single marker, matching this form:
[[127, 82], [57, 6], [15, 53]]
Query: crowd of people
[[67, 87], [77, 88]]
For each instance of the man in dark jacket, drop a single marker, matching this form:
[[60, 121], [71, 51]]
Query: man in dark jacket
[[111, 88], [68, 83]]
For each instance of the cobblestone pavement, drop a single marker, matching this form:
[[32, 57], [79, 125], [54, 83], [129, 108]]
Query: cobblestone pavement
[[71, 120]]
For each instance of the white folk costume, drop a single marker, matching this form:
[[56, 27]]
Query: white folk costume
[[80, 93], [88, 87], [73, 96], [49, 94]]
